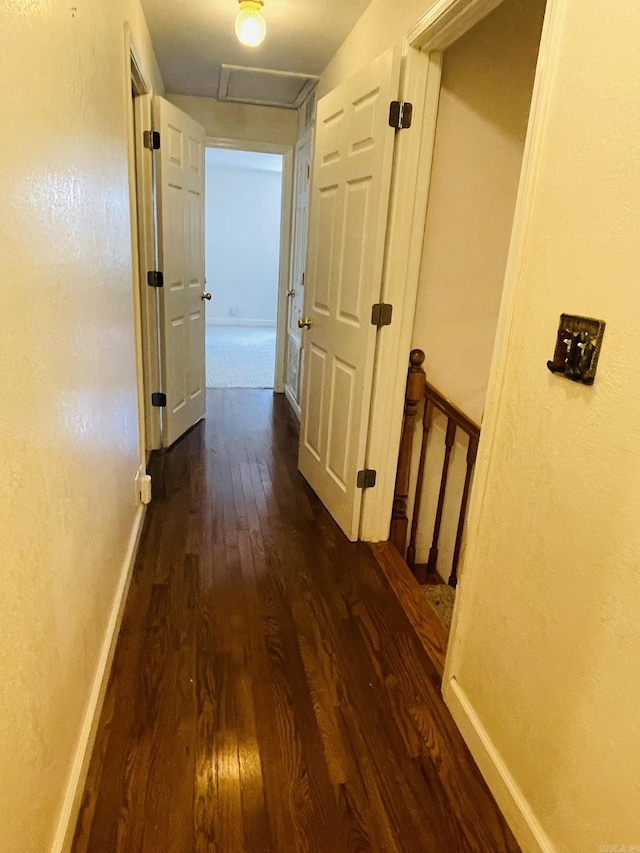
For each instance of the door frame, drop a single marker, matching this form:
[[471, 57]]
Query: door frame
[[420, 82], [286, 215], [307, 138], [142, 251]]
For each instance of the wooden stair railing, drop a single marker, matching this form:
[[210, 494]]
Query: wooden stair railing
[[418, 389]]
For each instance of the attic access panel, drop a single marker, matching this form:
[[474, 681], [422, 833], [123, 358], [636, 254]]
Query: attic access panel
[[263, 87]]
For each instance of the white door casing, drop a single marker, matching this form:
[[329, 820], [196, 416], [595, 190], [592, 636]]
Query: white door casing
[[180, 198], [145, 201], [298, 262], [348, 222]]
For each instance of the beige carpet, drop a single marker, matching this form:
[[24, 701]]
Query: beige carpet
[[240, 357], [440, 597]]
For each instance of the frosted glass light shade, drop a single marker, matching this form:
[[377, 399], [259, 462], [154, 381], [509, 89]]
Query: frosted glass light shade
[[251, 27]]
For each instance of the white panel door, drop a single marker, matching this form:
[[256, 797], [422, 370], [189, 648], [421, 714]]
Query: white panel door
[[180, 188], [298, 263], [348, 220]]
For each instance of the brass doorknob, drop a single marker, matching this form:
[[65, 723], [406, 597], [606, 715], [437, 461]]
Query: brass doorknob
[[206, 296], [304, 323]]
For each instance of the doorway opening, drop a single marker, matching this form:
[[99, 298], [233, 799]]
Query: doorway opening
[[458, 41], [486, 88], [243, 225]]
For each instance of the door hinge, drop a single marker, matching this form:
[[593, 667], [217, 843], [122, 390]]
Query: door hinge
[[367, 478], [159, 400], [400, 115], [155, 278], [152, 140], [381, 314]]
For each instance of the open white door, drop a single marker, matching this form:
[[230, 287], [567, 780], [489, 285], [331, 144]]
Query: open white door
[[348, 221], [180, 198]]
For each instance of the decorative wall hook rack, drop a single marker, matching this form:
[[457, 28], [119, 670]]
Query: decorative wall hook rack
[[577, 348]]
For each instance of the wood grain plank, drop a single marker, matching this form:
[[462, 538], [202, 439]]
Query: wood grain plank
[[424, 621], [275, 688]]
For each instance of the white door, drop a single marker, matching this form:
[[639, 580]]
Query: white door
[[180, 189], [348, 220], [298, 262]]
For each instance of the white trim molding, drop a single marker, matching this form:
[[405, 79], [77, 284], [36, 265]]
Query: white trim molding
[[408, 212], [512, 802], [446, 21]]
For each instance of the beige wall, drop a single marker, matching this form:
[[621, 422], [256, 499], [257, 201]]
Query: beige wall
[[69, 428], [487, 82], [547, 644], [384, 23], [245, 122]]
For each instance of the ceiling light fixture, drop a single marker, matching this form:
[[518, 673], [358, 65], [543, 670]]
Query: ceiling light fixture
[[251, 27]]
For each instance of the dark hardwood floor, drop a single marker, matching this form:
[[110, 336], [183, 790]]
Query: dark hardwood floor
[[268, 692]]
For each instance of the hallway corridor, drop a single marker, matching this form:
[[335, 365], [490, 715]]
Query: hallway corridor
[[268, 694]]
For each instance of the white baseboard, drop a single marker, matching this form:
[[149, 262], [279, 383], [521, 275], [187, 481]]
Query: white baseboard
[[240, 321], [292, 402], [65, 831], [515, 807]]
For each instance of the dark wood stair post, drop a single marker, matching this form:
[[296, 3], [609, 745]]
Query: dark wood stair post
[[450, 439], [413, 396], [472, 454], [419, 572]]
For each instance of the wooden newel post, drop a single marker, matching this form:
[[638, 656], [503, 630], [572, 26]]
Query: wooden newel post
[[413, 397]]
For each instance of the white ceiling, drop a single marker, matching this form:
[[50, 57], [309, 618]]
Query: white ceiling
[[192, 38]]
